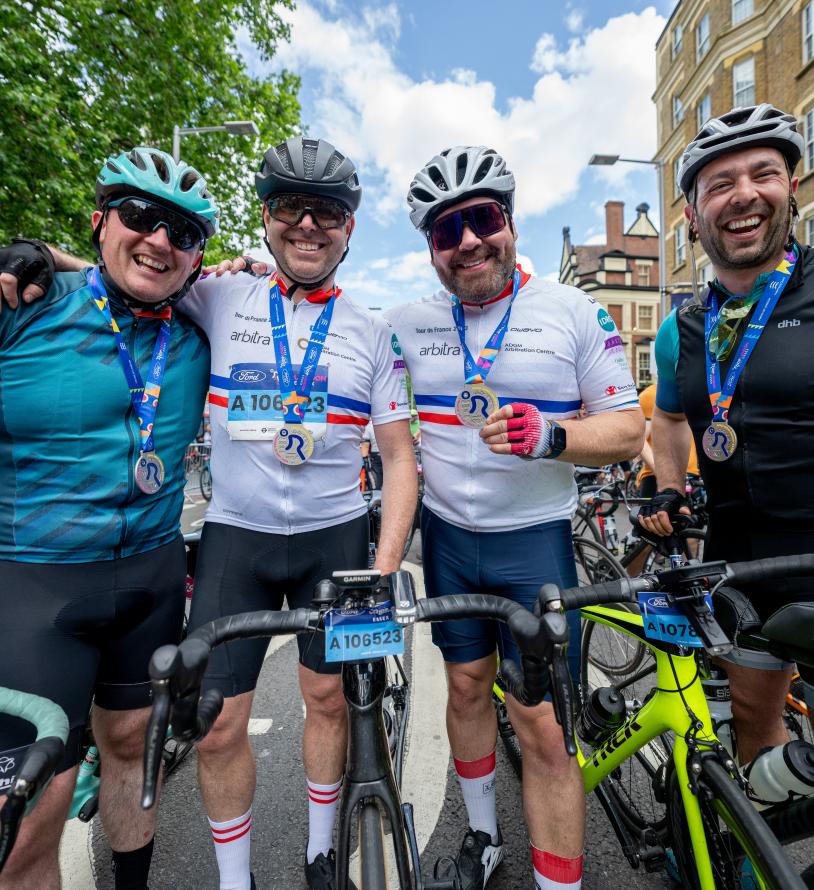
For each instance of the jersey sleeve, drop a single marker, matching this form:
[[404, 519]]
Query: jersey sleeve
[[668, 397], [388, 395], [603, 374]]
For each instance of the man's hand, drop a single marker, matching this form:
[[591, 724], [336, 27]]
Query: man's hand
[[239, 264], [517, 429], [655, 517], [26, 270]]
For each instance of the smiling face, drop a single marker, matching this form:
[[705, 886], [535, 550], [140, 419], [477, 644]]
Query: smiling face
[[742, 209], [144, 266], [305, 252], [477, 269]]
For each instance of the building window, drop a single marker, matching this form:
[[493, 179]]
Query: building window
[[810, 230], [680, 244], [678, 111], [645, 314], [743, 83], [615, 312], [809, 137], [702, 38], [678, 34], [704, 110], [676, 170], [643, 274], [741, 9], [808, 32], [705, 274], [643, 367]]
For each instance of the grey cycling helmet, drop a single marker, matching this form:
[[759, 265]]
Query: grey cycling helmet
[[457, 174], [751, 127], [304, 166]]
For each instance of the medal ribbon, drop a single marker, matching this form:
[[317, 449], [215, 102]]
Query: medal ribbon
[[296, 393], [143, 397], [477, 371], [720, 398]]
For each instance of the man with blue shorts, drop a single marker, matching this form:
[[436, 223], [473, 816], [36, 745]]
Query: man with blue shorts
[[500, 363]]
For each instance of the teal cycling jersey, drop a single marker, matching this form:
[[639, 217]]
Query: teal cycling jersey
[[69, 437]]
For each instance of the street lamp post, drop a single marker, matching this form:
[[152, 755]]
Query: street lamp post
[[609, 161], [234, 128]]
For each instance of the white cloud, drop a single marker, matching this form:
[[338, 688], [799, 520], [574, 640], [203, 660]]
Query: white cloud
[[574, 20], [598, 238], [593, 95]]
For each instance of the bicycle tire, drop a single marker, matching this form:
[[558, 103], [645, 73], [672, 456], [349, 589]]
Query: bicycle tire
[[508, 736], [396, 713], [206, 483], [373, 866], [583, 525], [745, 835], [595, 563]]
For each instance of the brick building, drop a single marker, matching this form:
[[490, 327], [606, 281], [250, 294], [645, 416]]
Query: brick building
[[712, 56], [623, 275]]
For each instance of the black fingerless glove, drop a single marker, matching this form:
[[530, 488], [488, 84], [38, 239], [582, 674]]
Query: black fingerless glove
[[31, 262], [668, 500]]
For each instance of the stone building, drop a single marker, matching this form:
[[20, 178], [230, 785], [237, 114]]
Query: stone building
[[717, 54], [623, 275]]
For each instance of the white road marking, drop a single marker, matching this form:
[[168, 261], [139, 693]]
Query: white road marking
[[75, 862], [260, 725]]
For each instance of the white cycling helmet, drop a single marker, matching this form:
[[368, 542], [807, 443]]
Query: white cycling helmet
[[751, 127], [457, 174]]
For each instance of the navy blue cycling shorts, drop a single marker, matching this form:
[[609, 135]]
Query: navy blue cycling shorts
[[514, 564]]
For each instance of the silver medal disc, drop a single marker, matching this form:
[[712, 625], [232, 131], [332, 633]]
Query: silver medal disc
[[720, 441], [293, 445], [149, 472], [474, 404]]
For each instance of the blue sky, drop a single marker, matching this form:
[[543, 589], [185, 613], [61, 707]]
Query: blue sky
[[545, 83]]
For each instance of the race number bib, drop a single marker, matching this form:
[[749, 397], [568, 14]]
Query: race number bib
[[668, 623], [256, 407], [359, 634]]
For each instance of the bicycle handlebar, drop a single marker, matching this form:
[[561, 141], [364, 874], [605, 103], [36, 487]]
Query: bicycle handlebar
[[766, 569]]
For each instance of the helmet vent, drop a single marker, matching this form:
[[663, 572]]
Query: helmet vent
[[188, 180], [484, 167], [111, 166], [309, 157], [285, 157], [160, 167], [438, 178], [135, 158], [460, 168], [333, 164], [421, 195]]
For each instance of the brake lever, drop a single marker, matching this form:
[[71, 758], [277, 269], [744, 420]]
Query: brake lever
[[154, 741], [562, 696]]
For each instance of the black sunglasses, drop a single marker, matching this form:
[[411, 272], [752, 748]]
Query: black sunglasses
[[483, 219], [141, 215], [290, 209]]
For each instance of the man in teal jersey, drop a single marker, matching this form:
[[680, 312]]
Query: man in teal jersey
[[102, 388]]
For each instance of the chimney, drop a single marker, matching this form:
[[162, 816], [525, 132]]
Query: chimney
[[614, 224]]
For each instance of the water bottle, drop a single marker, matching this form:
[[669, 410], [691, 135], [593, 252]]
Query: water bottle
[[611, 535], [719, 701], [781, 773], [602, 715]]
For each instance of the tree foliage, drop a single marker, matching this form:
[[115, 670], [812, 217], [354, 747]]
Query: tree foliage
[[83, 79]]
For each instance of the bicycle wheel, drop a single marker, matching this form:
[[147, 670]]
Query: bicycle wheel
[[373, 867], [583, 525], [594, 562], [506, 732], [742, 850], [396, 711], [206, 483]]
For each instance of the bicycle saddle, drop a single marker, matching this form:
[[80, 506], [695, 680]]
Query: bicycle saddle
[[793, 626]]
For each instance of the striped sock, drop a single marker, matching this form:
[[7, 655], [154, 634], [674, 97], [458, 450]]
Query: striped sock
[[322, 803], [553, 872], [477, 781], [233, 851]]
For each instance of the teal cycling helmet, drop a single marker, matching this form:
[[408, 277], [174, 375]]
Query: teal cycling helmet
[[153, 174]]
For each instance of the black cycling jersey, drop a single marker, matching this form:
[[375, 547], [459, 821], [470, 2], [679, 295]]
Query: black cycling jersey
[[768, 483]]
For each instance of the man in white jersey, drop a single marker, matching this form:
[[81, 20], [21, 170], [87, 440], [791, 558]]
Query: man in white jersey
[[286, 508], [499, 371]]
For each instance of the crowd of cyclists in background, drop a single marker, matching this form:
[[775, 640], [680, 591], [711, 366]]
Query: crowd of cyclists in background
[[515, 380]]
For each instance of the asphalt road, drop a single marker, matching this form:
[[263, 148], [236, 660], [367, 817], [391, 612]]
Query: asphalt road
[[184, 858]]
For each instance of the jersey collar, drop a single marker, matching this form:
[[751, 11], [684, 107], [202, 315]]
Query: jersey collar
[[317, 296], [506, 292]]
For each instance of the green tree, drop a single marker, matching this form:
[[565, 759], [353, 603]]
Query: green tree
[[82, 79]]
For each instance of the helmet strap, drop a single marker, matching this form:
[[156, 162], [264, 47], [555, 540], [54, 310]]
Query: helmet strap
[[692, 237], [794, 216]]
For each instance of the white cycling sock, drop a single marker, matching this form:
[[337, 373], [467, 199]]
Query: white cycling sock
[[233, 851], [322, 803], [552, 872], [477, 780]]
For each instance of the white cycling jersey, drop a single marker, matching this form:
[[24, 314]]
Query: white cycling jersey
[[561, 349], [360, 377]]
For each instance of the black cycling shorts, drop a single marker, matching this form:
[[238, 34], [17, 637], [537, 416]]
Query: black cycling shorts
[[77, 632], [241, 570]]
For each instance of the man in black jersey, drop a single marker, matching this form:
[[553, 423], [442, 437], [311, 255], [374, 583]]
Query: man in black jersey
[[735, 374]]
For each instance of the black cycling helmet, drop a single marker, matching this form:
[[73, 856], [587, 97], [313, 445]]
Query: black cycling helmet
[[303, 166], [752, 127]]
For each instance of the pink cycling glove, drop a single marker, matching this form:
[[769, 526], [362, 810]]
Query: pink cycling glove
[[528, 431]]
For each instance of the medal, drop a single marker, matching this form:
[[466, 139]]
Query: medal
[[149, 472], [293, 445], [720, 441], [474, 404]]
